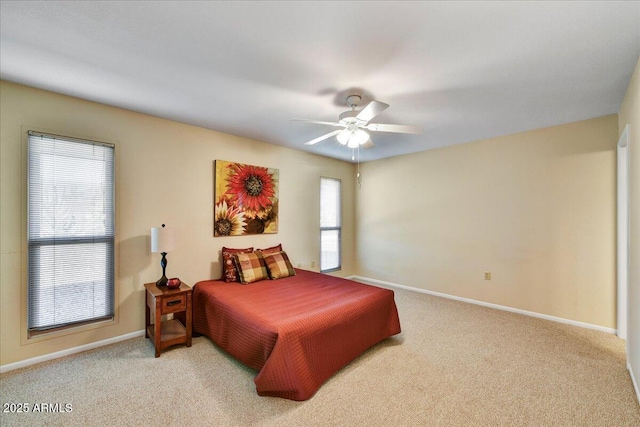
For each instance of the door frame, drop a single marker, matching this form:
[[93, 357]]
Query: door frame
[[622, 227]]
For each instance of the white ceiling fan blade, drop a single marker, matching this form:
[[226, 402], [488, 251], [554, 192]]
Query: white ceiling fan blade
[[380, 127], [318, 122], [323, 137], [371, 110]]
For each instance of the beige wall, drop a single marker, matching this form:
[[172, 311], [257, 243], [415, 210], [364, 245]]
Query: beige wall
[[164, 175], [536, 209], [630, 115]]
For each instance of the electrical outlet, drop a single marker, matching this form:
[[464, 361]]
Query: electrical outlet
[[313, 264], [487, 275]]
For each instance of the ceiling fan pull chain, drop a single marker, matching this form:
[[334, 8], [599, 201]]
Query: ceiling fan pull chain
[[358, 175]]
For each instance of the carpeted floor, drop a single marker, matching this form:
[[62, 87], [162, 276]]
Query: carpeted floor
[[454, 364]]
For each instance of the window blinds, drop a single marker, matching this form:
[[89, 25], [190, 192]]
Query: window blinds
[[70, 231], [330, 224]]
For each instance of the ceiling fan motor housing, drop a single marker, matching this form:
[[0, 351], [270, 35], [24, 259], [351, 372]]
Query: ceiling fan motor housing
[[348, 117]]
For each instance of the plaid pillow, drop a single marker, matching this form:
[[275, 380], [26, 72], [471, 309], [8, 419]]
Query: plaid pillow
[[271, 250], [229, 272], [251, 267], [279, 265]]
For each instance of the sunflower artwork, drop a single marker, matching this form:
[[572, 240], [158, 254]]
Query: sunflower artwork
[[246, 199]]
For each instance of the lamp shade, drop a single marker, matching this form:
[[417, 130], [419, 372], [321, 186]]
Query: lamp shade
[[162, 239]]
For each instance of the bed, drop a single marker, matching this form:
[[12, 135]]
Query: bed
[[296, 331]]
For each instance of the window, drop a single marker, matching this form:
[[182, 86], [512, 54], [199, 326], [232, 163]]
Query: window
[[330, 224], [70, 232]]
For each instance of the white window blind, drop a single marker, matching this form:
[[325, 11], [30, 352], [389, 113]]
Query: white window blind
[[70, 231], [330, 224]]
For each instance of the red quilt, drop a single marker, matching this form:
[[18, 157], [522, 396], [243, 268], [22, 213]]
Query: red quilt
[[296, 331]]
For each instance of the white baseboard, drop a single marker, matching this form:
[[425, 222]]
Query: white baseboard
[[28, 362], [487, 304], [633, 380]]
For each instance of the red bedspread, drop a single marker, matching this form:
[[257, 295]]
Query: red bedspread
[[296, 331]]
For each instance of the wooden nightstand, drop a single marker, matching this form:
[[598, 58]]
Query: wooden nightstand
[[161, 301]]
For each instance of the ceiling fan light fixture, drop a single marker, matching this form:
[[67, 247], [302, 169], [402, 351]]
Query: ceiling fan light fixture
[[359, 137], [344, 136]]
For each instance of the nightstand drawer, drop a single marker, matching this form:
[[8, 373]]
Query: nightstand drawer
[[174, 304]]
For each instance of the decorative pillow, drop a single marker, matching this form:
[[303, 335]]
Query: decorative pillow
[[229, 272], [269, 251], [251, 267], [279, 265]]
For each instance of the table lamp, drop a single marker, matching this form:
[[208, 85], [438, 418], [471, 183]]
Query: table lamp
[[162, 241]]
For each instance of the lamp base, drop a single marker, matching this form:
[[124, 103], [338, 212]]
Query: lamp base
[[162, 282]]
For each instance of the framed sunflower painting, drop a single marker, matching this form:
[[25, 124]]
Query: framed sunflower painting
[[246, 199]]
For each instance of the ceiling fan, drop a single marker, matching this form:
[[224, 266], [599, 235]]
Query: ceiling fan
[[355, 123]]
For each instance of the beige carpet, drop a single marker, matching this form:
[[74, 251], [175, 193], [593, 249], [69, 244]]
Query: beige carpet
[[454, 364]]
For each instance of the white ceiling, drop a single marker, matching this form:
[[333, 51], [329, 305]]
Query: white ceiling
[[462, 70]]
